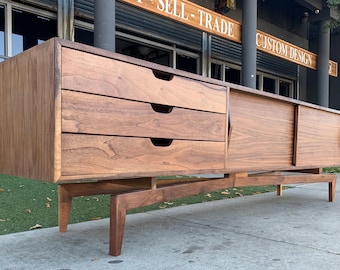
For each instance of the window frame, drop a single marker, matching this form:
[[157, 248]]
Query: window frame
[[260, 75], [9, 7], [292, 89]]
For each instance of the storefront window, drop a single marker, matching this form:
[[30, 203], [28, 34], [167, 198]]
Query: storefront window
[[285, 88], [186, 63], [216, 71], [269, 85], [143, 51], [30, 29], [232, 75], [275, 85], [84, 36], [2, 32], [18, 44], [258, 82]]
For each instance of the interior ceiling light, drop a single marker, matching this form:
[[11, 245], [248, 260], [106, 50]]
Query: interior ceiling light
[[224, 6], [231, 4]]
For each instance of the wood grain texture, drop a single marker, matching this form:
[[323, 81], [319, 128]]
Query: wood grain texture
[[124, 80], [318, 138], [27, 113], [262, 133], [57, 113], [93, 114], [64, 207], [147, 197], [117, 224], [96, 155], [111, 94]]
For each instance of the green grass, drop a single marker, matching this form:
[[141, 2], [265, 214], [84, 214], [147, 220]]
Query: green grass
[[332, 170], [26, 204]]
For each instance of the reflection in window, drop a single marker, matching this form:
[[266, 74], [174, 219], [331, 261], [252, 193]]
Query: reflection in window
[[30, 30], [284, 89], [18, 44], [216, 71], [143, 51], [2, 30]]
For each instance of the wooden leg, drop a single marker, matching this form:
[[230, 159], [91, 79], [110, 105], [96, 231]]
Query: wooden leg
[[117, 225], [64, 208], [331, 190], [279, 190], [126, 197]]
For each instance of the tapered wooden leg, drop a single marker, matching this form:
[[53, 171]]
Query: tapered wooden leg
[[331, 190], [279, 190], [117, 225], [64, 209]]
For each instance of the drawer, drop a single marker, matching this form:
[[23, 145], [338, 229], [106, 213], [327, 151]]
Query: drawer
[[93, 114], [96, 74], [91, 156]]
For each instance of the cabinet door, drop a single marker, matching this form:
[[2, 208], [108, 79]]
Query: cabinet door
[[318, 138], [262, 133]]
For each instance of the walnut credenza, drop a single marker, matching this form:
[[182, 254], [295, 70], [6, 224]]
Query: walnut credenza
[[97, 122]]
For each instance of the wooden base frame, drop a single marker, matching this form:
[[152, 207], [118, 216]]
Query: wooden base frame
[[132, 193]]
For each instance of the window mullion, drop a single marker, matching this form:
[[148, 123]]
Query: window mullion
[[8, 30]]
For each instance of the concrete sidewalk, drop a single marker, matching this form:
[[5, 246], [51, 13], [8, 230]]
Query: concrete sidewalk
[[300, 230]]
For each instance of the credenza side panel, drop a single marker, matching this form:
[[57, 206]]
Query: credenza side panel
[[27, 119]]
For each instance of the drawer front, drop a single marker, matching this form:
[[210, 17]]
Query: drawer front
[[92, 156], [105, 76], [93, 114]]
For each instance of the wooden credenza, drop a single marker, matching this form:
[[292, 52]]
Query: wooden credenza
[[98, 122]]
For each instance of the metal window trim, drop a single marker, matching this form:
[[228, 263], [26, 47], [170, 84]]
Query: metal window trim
[[65, 22], [270, 73], [46, 4], [30, 9], [8, 30]]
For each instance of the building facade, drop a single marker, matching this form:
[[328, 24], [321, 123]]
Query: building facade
[[283, 47]]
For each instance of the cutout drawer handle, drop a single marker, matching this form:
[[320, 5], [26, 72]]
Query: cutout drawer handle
[[230, 127], [159, 142], [160, 108], [162, 75]]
